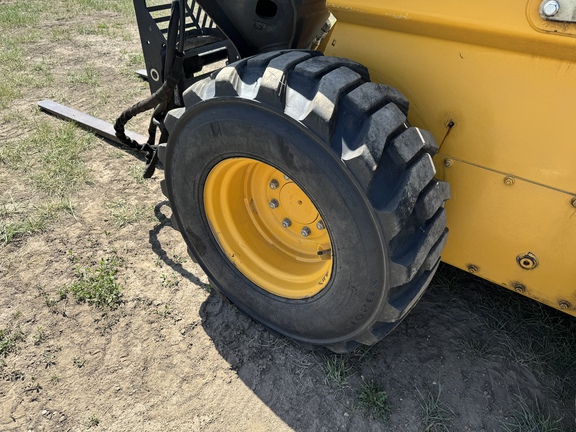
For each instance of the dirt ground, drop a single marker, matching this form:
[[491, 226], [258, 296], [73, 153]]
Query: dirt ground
[[176, 355]]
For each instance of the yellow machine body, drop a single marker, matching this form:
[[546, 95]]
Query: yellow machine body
[[496, 85]]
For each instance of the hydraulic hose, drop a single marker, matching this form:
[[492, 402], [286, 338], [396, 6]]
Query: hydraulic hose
[[161, 98], [162, 95]]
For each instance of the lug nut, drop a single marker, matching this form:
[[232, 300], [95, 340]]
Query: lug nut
[[274, 204], [274, 184], [305, 231], [286, 223], [286, 177], [320, 225]]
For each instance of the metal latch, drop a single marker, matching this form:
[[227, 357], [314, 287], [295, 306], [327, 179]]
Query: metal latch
[[558, 10]]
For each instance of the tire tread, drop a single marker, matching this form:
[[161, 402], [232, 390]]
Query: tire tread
[[365, 124]]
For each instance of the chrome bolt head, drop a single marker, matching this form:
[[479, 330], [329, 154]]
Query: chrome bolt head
[[305, 231], [274, 204], [274, 184], [286, 223], [550, 8], [286, 177], [320, 225]]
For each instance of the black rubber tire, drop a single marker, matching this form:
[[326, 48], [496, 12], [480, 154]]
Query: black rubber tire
[[346, 142]]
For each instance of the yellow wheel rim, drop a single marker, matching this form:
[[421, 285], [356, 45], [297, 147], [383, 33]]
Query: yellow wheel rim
[[268, 228]]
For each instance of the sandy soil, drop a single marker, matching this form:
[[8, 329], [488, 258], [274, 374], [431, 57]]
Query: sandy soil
[[177, 356]]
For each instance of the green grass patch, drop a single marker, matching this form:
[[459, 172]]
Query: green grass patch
[[476, 348], [525, 418], [16, 222], [19, 14], [124, 213], [51, 157], [9, 339], [436, 415], [120, 6], [93, 421], [374, 400], [97, 285], [89, 76], [337, 370]]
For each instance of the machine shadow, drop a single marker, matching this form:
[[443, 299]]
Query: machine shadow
[[156, 244], [296, 382], [459, 343], [448, 348]]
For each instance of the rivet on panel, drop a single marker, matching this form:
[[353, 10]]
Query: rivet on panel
[[564, 304], [472, 268], [448, 163], [509, 181], [519, 287]]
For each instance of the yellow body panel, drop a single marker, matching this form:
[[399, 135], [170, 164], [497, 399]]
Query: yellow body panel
[[496, 85]]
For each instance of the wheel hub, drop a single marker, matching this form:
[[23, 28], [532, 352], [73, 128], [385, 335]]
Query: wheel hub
[[268, 227]]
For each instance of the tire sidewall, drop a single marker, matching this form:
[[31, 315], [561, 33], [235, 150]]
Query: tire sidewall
[[223, 128]]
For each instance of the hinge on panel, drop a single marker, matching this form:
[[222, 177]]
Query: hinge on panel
[[558, 10]]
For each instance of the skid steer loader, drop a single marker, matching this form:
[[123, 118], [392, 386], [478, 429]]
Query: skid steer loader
[[310, 175]]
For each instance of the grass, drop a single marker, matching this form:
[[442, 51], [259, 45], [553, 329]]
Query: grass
[[9, 339], [18, 73], [19, 27], [337, 370], [476, 348], [97, 286], [135, 172], [19, 14], [51, 161], [538, 337], [19, 223], [436, 415], [40, 336], [124, 213], [518, 329], [51, 157], [79, 362], [89, 76], [121, 6], [374, 400], [93, 421], [525, 418]]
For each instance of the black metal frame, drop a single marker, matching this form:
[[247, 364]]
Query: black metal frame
[[204, 42], [256, 26]]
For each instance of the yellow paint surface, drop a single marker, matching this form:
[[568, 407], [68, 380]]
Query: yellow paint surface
[[506, 79]]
